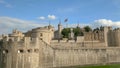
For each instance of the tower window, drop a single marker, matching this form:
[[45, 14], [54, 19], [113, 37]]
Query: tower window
[[31, 39], [20, 51], [5, 51], [36, 50], [29, 50], [41, 34], [41, 39]]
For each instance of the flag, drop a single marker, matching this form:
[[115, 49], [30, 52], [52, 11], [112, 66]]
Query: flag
[[66, 20]]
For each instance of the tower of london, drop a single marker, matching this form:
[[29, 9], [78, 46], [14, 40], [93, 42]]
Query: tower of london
[[45, 47]]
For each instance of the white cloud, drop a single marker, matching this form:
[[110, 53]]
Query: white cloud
[[7, 24], [105, 22], [52, 17], [97, 23], [41, 18], [49, 17]]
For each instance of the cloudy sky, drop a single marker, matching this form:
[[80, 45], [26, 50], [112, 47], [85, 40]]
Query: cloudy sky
[[27, 14]]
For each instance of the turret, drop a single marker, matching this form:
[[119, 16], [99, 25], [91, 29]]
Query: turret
[[59, 30], [59, 27], [106, 30], [71, 35], [51, 28], [78, 25]]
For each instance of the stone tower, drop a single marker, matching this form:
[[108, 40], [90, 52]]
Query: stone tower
[[51, 29], [71, 35], [59, 30], [106, 30], [43, 33], [114, 38]]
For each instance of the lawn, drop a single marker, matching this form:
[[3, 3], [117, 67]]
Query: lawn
[[101, 66]]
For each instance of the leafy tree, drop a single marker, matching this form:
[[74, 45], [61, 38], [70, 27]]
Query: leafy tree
[[87, 29], [96, 29], [77, 32], [65, 32]]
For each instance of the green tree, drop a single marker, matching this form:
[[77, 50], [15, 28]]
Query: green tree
[[77, 32], [87, 29], [1, 42], [65, 32], [96, 29]]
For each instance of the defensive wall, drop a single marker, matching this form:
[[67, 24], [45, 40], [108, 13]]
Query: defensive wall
[[38, 54], [38, 50], [85, 56], [26, 53]]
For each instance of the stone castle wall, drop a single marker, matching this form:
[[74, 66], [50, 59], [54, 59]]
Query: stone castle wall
[[114, 38], [38, 54], [79, 44], [26, 54], [38, 51], [86, 56]]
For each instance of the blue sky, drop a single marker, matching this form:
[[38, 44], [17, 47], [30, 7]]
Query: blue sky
[[37, 13]]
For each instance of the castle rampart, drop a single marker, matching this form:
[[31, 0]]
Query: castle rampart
[[36, 49]]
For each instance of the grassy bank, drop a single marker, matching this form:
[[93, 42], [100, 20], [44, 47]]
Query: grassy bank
[[97, 66]]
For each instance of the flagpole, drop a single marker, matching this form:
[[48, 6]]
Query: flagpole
[[66, 22]]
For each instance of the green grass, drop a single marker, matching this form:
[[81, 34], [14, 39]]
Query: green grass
[[101, 66]]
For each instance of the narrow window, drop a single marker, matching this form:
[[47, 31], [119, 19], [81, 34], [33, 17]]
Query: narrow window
[[29, 50], [41, 34], [36, 50], [86, 49], [5, 51], [20, 51], [41, 39], [31, 39]]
